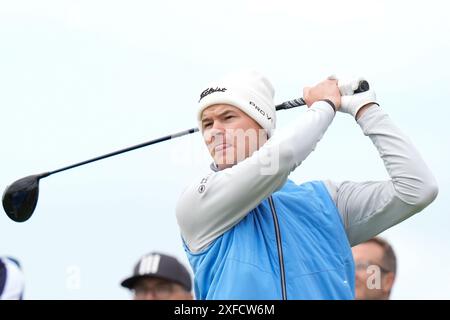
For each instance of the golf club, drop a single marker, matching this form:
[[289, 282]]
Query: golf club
[[21, 197]]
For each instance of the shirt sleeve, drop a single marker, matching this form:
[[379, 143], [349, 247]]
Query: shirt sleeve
[[218, 201], [368, 208]]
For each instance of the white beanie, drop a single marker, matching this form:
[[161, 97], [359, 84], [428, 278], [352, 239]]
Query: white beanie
[[249, 91]]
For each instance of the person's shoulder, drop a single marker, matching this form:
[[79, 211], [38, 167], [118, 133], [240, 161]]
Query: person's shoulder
[[292, 186], [317, 185], [305, 184]]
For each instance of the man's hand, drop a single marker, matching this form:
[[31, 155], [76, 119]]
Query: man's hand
[[327, 89], [354, 104], [358, 102]]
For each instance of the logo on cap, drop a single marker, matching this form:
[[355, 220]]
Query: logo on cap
[[149, 264], [261, 111], [211, 90]]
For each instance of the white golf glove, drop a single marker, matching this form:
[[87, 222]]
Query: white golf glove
[[350, 102]]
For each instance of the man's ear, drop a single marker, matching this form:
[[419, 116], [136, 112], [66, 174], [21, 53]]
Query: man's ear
[[388, 282]]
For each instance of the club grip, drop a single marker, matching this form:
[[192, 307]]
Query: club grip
[[362, 87], [290, 104]]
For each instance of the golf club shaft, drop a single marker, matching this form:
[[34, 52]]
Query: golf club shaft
[[363, 86], [283, 106], [115, 153]]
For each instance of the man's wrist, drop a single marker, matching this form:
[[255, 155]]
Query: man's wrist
[[330, 103], [363, 109]]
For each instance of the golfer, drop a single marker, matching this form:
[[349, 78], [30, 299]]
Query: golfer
[[250, 232]]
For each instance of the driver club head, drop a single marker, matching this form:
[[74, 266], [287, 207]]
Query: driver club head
[[21, 197]]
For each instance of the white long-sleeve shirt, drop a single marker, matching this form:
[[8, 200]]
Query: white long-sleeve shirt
[[216, 202]]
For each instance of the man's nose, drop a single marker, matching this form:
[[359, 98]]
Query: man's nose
[[217, 131], [218, 126]]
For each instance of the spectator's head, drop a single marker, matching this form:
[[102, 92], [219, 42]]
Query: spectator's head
[[236, 116], [12, 280], [157, 276], [376, 267]]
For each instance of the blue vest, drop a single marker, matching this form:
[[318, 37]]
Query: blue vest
[[244, 262]]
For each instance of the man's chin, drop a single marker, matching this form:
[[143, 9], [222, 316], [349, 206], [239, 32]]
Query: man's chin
[[222, 166], [228, 159], [224, 163]]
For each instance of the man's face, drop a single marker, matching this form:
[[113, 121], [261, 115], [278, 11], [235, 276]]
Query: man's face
[[373, 281], [159, 289], [230, 134]]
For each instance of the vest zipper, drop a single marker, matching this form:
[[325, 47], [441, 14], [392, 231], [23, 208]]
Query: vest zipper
[[279, 248]]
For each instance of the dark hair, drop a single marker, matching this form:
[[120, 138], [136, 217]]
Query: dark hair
[[389, 259]]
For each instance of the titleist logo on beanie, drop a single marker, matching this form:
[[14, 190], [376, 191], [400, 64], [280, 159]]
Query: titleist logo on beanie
[[211, 90], [249, 91]]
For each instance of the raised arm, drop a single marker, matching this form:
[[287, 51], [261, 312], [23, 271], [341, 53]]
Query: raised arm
[[371, 207]]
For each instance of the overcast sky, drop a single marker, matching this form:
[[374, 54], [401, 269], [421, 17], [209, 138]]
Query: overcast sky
[[83, 78]]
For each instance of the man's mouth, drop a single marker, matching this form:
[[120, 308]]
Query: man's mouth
[[221, 147]]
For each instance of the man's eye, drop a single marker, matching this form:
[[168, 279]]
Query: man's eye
[[228, 117], [207, 124]]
